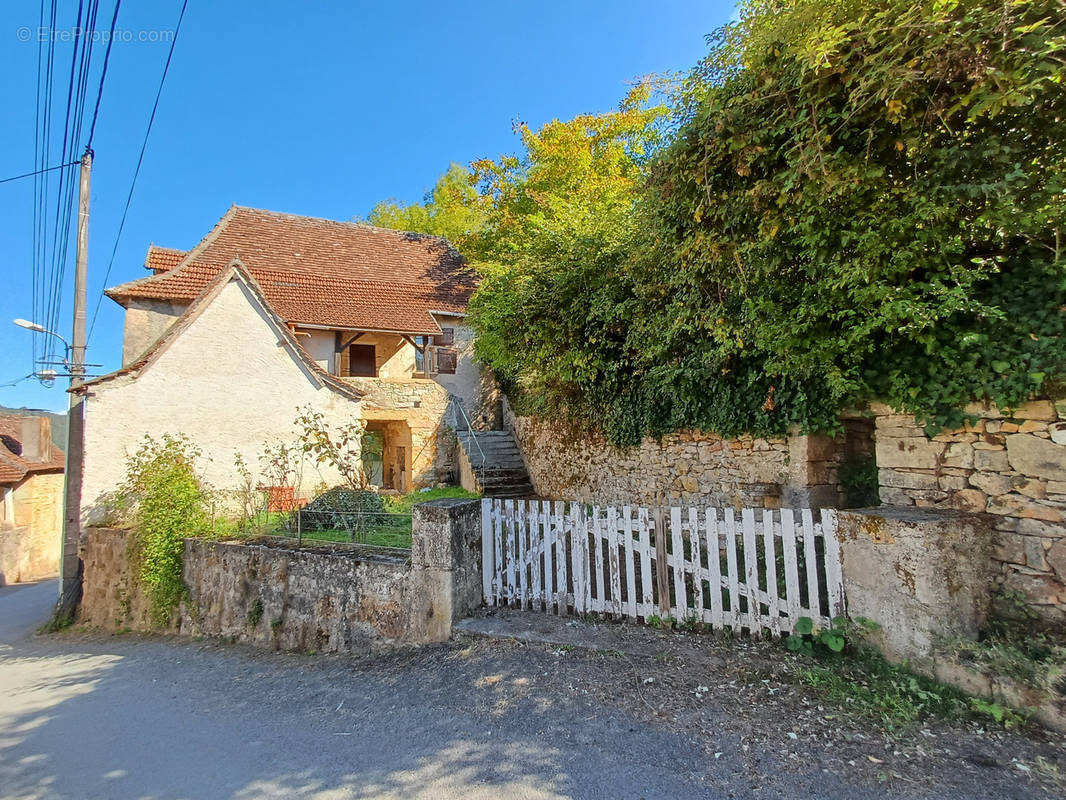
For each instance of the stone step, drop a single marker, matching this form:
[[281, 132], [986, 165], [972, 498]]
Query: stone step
[[511, 492], [497, 463], [501, 480]]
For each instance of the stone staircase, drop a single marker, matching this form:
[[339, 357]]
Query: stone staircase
[[501, 473]]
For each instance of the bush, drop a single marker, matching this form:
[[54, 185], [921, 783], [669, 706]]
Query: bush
[[165, 501], [859, 200], [343, 499]]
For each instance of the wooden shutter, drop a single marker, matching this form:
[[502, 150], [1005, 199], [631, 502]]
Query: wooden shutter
[[447, 358], [446, 337], [362, 361]]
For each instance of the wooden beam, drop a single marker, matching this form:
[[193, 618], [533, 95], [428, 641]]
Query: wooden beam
[[348, 343], [414, 343]]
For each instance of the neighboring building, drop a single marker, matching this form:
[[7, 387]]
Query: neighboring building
[[31, 500], [274, 312]]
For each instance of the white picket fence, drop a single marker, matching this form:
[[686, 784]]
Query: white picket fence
[[688, 564]]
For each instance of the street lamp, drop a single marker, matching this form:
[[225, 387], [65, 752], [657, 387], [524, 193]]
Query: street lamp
[[37, 328]]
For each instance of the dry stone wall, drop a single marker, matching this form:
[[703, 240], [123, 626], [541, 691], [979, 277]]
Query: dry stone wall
[[1010, 465], [685, 467], [325, 598]]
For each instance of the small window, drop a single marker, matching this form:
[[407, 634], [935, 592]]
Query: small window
[[446, 337], [447, 359], [420, 354]]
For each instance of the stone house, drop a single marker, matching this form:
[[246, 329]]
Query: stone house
[[31, 500], [271, 313]]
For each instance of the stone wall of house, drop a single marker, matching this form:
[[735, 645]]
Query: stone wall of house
[[421, 404], [1011, 466], [686, 467], [146, 321], [328, 598], [227, 382], [31, 536]]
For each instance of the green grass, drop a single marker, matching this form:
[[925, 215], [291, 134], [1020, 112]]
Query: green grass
[[384, 530], [865, 684], [391, 529], [403, 503]]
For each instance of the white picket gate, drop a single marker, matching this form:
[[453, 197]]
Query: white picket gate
[[688, 564]]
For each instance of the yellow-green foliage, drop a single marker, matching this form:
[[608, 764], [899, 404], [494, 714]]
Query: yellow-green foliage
[[854, 199]]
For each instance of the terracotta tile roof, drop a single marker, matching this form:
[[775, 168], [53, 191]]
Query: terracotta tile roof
[[233, 270], [160, 259], [13, 467], [320, 272]]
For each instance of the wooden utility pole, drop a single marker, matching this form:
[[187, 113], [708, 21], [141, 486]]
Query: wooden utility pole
[[71, 567]]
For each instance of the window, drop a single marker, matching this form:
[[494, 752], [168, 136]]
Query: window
[[421, 342], [362, 361]]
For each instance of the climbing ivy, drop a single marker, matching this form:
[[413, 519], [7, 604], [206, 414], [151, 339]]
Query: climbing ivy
[[845, 200]]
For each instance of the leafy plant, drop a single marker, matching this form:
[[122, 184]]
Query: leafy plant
[[847, 201], [167, 502], [863, 683], [859, 481], [249, 498], [842, 632], [255, 612], [341, 448]]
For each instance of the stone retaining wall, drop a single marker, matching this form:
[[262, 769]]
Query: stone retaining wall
[[690, 466], [323, 598], [1011, 466], [921, 574]]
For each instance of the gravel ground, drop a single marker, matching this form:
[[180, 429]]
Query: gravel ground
[[725, 692], [84, 715]]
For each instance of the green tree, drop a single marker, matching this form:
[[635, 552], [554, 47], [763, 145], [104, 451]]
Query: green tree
[[453, 208], [866, 199], [857, 200], [551, 311]]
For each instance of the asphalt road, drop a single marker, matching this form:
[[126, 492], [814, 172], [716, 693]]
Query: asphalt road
[[86, 715], [125, 717]]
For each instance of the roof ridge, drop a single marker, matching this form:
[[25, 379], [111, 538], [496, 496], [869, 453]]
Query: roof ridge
[[348, 223]]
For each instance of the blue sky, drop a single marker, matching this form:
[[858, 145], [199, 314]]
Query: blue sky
[[319, 108]]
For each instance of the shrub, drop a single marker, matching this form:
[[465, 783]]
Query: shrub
[[858, 200], [165, 502], [341, 498]]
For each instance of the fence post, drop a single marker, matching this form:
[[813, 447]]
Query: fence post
[[488, 566], [662, 576], [446, 578]]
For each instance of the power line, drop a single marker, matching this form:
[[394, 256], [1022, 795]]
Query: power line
[[77, 91], [103, 74], [81, 95], [137, 170], [16, 381], [65, 189], [36, 172], [42, 149]]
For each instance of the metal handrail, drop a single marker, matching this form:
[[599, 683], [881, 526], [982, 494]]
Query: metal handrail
[[469, 429]]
